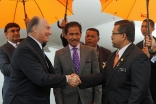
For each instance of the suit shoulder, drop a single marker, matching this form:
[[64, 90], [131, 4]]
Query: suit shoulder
[[137, 52], [24, 46], [62, 49], [137, 49], [139, 43], [87, 47], [4, 47], [104, 49]]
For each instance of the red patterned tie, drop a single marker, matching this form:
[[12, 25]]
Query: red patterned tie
[[76, 60]]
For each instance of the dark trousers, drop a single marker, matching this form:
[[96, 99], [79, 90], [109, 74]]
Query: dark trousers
[[79, 101], [154, 99]]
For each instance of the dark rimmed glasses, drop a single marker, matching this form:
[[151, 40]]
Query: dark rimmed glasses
[[116, 33]]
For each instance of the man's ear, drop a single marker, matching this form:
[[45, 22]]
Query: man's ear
[[6, 34], [34, 28], [124, 36], [153, 28], [80, 35], [65, 36], [98, 39]]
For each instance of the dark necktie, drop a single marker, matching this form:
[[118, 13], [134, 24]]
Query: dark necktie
[[17, 44], [43, 52], [76, 60], [44, 56]]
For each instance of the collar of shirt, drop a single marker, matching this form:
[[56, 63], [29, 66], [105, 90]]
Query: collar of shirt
[[14, 44], [71, 50], [122, 50], [36, 41]]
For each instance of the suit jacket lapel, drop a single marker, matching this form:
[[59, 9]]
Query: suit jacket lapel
[[35, 46], [68, 58], [124, 56], [82, 58], [11, 48], [110, 67], [50, 66], [121, 60], [38, 50]]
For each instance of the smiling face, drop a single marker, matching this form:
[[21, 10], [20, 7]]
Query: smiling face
[[12, 34], [91, 38], [43, 31], [73, 36]]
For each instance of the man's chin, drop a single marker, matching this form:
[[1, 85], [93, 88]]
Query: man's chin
[[74, 44], [16, 40], [89, 44]]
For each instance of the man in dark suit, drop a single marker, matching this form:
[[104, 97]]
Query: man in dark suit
[[32, 74], [88, 64], [152, 58], [91, 39], [12, 33], [127, 73]]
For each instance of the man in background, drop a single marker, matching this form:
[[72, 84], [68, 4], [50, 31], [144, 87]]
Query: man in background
[[12, 33], [142, 45]]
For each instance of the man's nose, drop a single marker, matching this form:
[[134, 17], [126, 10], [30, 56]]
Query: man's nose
[[74, 36], [89, 37], [50, 32]]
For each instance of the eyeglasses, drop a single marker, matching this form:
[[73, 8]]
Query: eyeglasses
[[116, 33]]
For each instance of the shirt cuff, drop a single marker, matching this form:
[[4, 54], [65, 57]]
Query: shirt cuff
[[66, 79], [153, 59]]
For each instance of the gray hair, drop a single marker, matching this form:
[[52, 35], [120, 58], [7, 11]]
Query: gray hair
[[34, 21]]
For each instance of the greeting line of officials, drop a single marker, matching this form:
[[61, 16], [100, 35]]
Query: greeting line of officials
[[142, 45], [89, 41], [126, 82]]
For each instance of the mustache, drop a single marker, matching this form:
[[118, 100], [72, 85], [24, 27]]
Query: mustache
[[89, 42], [74, 40]]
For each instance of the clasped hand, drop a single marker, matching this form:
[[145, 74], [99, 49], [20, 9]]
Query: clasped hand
[[73, 80]]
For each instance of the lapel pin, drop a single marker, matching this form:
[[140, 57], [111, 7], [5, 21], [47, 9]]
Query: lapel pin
[[104, 64], [122, 59]]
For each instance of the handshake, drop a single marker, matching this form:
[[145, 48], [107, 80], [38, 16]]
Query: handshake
[[73, 80]]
